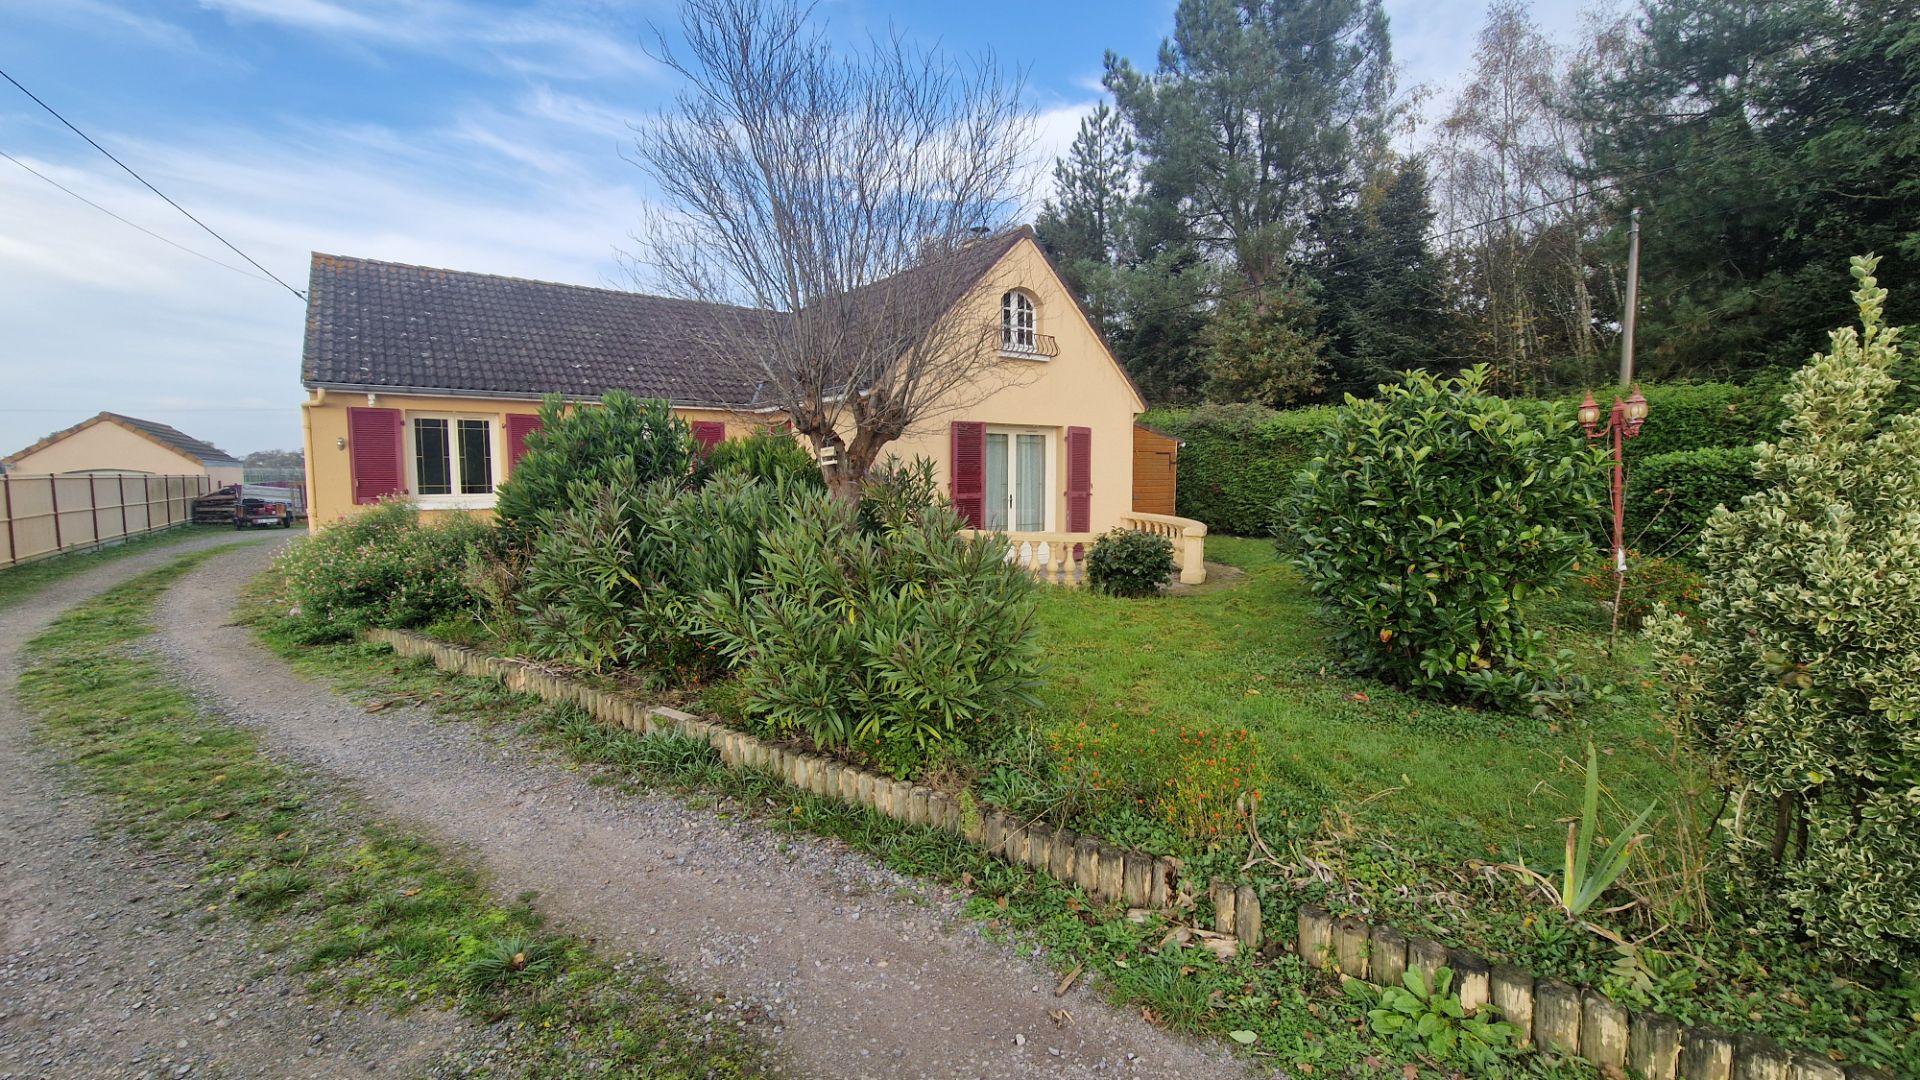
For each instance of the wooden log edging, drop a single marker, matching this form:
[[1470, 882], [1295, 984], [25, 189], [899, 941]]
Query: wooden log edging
[[1553, 1016], [1107, 872]]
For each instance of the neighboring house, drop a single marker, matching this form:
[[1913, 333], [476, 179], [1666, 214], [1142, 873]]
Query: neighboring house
[[112, 443], [425, 383]]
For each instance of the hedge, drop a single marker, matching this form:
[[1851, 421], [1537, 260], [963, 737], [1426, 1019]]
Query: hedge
[[1238, 461], [1670, 496], [1695, 415]]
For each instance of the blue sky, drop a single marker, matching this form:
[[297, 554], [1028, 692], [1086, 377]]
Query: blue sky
[[463, 133]]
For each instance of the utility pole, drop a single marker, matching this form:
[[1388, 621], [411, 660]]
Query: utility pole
[[1633, 303]]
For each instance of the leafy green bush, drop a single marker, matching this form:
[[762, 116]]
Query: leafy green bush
[[1238, 461], [572, 457], [894, 644], [1124, 562], [1429, 518], [767, 454], [899, 494], [1671, 496], [1801, 681], [384, 567], [611, 580]]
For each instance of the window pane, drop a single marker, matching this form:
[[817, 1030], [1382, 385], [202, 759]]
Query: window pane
[[1030, 484], [476, 457], [433, 465], [997, 482]]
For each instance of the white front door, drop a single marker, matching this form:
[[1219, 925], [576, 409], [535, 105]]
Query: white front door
[[1019, 479]]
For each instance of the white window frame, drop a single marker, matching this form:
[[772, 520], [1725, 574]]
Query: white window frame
[[1049, 492], [1010, 330], [455, 500]]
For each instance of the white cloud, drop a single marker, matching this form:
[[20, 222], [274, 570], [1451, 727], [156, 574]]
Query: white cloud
[[100, 316], [97, 15], [546, 40]]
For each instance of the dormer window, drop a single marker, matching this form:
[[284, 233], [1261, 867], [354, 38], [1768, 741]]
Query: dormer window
[[1017, 323]]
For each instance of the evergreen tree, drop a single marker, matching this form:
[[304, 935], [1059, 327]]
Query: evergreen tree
[[1082, 225], [1256, 120], [1379, 285], [1767, 140]]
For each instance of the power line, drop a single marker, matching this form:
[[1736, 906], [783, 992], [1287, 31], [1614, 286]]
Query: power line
[[133, 224], [143, 180]]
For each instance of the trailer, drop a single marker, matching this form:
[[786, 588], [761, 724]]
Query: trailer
[[248, 506]]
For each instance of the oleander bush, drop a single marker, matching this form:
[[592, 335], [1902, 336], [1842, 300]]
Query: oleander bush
[[1429, 519], [1124, 562], [1800, 682], [898, 644], [571, 458], [383, 567], [767, 454], [611, 580]]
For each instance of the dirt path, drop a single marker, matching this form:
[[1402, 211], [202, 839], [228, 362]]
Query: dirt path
[[854, 971], [103, 971]]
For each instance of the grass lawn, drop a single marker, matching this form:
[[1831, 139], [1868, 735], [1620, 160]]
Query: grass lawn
[[1254, 655], [17, 582]]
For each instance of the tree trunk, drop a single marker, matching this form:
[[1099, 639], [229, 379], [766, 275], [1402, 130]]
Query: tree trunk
[[1782, 825]]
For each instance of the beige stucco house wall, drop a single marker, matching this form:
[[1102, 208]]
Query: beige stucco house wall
[[1035, 396], [111, 444]]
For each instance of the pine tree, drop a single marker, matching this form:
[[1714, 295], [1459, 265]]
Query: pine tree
[[1714, 117], [1379, 284], [1802, 684], [1257, 119], [1082, 225]]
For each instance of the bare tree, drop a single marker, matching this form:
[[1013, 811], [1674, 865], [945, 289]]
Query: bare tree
[[843, 204], [1509, 170]]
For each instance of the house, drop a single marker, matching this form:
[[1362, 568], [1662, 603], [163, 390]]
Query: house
[[112, 443], [424, 383]]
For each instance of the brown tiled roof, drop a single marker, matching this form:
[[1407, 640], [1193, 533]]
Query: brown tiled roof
[[170, 437], [373, 324]]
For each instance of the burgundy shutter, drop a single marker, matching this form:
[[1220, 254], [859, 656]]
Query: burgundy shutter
[[376, 454], [709, 433], [519, 426], [967, 473], [1079, 479]]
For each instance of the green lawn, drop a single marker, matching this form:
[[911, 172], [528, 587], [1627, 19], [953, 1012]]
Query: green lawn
[[1253, 655]]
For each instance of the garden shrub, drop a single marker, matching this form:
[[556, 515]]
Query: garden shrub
[[611, 580], [572, 456], [1238, 461], [894, 644], [900, 494], [1801, 681], [1125, 562], [767, 454], [384, 567], [1428, 520], [1671, 496]]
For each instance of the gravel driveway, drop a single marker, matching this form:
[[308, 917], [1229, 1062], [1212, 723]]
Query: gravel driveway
[[103, 971], [850, 969]]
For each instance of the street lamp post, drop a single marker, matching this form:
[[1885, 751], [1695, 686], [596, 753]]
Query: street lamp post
[[1622, 423]]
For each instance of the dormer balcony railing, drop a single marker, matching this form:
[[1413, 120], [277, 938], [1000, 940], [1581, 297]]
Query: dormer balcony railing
[[1039, 345]]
